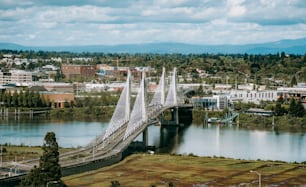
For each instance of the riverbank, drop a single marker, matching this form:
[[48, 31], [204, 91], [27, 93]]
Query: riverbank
[[103, 113], [183, 170], [77, 113], [253, 122]]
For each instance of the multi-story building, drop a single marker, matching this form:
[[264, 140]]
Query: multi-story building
[[222, 101], [216, 102], [253, 95], [77, 71], [207, 103], [105, 70], [18, 77]]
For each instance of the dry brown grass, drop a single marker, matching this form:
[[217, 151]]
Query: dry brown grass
[[145, 170], [20, 153]]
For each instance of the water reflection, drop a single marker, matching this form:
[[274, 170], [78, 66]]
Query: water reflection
[[230, 141], [68, 134]]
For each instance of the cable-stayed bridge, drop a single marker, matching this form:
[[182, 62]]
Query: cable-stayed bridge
[[124, 126]]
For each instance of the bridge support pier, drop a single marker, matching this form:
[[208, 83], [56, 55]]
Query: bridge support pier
[[174, 117], [145, 136]]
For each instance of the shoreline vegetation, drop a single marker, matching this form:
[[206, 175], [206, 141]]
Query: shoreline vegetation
[[284, 123]]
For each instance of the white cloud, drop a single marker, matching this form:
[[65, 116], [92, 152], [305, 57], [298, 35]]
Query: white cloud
[[41, 22], [236, 8], [236, 11], [76, 14], [15, 3]]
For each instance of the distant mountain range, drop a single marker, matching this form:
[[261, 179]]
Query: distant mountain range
[[297, 46]]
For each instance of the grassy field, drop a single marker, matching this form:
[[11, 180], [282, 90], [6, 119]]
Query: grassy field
[[20, 153], [159, 170]]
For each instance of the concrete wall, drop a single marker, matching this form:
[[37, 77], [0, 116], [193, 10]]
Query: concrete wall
[[88, 166]]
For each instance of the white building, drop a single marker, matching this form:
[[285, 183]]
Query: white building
[[253, 95], [18, 77], [223, 86], [216, 102], [222, 101], [50, 67], [249, 86]]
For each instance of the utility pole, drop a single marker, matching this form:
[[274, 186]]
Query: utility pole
[[93, 150], [226, 81], [236, 84], [259, 177], [1, 156]]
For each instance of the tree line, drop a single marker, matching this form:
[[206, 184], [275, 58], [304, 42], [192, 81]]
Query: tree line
[[295, 108], [26, 99], [255, 68]]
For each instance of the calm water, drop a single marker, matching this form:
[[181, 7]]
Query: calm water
[[203, 141], [68, 134], [238, 143]]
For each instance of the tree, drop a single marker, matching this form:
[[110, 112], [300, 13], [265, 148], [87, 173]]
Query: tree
[[293, 81], [20, 99], [296, 108], [49, 161], [115, 184], [8, 99], [300, 111], [25, 99], [30, 99], [200, 90], [15, 99], [33, 178], [292, 107], [279, 110], [49, 168]]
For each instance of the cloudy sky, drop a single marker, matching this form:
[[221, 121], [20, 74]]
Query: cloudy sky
[[110, 22]]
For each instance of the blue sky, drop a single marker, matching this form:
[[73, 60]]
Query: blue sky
[[111, 22]]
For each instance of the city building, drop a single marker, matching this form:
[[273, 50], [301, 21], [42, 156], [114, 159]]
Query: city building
[[298, 92], [105, 70], [78, 71], [216, 102], [223, 101], [17, 77], [207, 103], [56, 86], [253, 96], [59, 99]]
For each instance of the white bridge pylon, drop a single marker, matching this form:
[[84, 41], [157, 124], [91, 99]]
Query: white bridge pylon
[[121, 114], [158, 99], [139, 112], [139, 115], [172, 93]]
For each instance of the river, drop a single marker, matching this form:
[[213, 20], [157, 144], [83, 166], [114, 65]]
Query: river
[[211, 140]]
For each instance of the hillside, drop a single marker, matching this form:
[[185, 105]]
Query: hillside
[[297, 46]]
